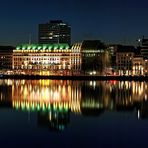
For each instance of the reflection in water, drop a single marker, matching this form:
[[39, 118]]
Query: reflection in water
[[53, 100]]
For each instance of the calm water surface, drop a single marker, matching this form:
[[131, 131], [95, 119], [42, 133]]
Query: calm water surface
[[57, 113]]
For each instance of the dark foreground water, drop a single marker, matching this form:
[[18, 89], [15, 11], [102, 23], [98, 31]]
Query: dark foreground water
[[55, 113]]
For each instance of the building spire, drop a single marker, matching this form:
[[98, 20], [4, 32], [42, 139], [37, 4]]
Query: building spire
[[29, 39]]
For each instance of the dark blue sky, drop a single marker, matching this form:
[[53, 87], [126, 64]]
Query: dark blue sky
[[121, 21]]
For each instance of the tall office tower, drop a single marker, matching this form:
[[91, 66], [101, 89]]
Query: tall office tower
[[55, 31]]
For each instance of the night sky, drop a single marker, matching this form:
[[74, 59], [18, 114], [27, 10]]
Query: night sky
[[112, 21]]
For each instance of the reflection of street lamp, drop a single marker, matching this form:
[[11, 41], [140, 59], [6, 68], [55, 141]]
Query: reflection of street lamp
[[64, 64]]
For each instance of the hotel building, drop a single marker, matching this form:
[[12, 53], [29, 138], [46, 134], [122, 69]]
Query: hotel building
[[45, 59], [76, 58]]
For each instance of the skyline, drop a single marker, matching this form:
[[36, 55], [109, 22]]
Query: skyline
[[110, 21]]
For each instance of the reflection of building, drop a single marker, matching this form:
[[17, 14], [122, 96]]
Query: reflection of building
[[130, 95], [91, 107], [6, 57], [143, 110], [5, 94], [88, 97], [93, 101], [53, 100], [46, 94], [55, 31], [139, 91], [46, 57], [54, 120], [124, 94]]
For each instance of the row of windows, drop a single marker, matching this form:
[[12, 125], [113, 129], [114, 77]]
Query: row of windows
[[124, 58], [120, 61], [41, 55], [124, 55], [124, 64], [40, 59], [17, 63], [37, 59], [42, 67], [90, 54]]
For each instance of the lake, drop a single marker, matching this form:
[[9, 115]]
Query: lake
[[64, 113]]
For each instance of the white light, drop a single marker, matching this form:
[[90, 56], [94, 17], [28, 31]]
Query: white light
[[138, 114], [94, 72]]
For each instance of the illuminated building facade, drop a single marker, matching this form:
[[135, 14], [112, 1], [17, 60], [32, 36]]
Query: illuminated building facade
[[124, 59], [129, 61], [52, 58], [6, 57], [76, 58], [55, 31], [138, 65], [146, 66]]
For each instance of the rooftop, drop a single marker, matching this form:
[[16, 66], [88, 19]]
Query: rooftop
[[92, 44], [122, 48], [42, 46]]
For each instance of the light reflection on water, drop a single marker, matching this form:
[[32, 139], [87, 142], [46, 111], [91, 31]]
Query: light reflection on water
[[74, 96], [56, 101]]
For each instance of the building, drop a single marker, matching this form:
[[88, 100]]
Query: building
[[45, 59], [76, 58], [91, 57], [95, 57], [138, 65], [129, 61], [6, 57], [124, 60], [112, 49], [142, 65], [55, 31], [144, 48], [146, 66]]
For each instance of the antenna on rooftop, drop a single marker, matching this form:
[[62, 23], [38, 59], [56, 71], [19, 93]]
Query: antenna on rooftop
[[29, 38], [143, 36]]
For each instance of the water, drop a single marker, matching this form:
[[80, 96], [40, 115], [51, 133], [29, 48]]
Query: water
[[60, 113]]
